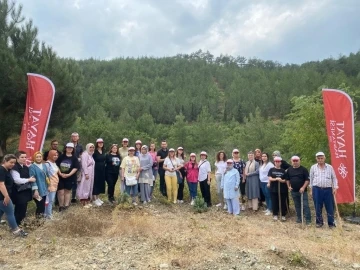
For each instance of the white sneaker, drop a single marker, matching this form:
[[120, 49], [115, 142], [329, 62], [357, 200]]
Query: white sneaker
[[275, 218], [283, 218], [97, 203], [192, 202], [144, 202], [3, 221], [225, 206], [268, 213], [265, 211], [100, 201], [135, 203], [181, 201], [218, 205], [242, 207]]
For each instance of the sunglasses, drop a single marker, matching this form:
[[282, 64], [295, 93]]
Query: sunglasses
[[229, 163], [295, 160]]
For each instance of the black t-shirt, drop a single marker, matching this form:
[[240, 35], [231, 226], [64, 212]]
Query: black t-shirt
[[113, 163], [7, 179], [162, 154], [274, 173], [67, 164], [297, 177]]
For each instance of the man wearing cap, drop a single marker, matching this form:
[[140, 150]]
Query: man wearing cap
[[230, 185], [161, 155], [324, 185], [297, 179], [123, 152]]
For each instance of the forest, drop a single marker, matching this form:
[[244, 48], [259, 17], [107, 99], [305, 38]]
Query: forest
[[198, 100]]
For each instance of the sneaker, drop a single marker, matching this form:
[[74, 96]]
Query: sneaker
[[225, 206], [283, 218], [275, 218], [218, 205], [135, 203], [181, 201], [3, 221], [144, 202], [175, 202], [242, 207], [267, 213], [73, 201], [97, 203], [149, 201], [111, 200], [20, 233], [192, 202]]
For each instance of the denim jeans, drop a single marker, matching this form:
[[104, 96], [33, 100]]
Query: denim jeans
[[323, 196], [193, 189], [266, 192], [48, 207], [132, 190], [297, 201], [9, 211]]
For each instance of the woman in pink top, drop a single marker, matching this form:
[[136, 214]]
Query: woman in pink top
[[155, 168], [85, 187], [192, 173]]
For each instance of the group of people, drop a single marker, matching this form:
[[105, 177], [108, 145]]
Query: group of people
[[65, 177]]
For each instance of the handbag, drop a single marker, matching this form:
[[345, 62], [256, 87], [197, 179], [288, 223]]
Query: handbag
[[131, 181], [179, 177]]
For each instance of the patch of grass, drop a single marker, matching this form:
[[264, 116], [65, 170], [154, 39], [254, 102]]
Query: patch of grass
[[296, 258], [200, 205]]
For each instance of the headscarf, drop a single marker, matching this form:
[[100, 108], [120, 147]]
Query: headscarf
[[88, 147], [35, 154]]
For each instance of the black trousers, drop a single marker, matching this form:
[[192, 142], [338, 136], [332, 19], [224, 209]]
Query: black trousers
[[180, 196], [20, 212], [275, 203], [205, 192], [161, 172], [40, 207], [262, 196], [111, 179], [73, 189], [242, 190]]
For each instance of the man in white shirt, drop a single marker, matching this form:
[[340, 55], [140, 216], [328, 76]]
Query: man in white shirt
[[324, 184]]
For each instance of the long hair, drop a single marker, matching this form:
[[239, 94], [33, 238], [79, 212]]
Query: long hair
[[218, 156]]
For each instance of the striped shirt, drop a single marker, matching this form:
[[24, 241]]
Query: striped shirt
[[323, 177]]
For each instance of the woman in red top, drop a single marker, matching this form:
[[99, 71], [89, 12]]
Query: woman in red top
[[192, 173]]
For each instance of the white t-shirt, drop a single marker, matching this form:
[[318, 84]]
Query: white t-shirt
[[220, 167], [174, 163], [204, 169]]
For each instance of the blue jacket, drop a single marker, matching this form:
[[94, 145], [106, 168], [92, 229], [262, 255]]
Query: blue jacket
[[40, 175], [229, 181]]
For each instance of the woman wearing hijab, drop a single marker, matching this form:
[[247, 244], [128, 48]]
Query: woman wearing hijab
[[99, 157], [230, 182], [40, 186], [85, 186], [252, 187], [53, 172], [146, 175]]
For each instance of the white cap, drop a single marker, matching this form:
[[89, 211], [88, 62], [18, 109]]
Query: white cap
[[295, 157], [203, 153], [236, 150], [229, 161], [171, 150], [70, 144], [319, 154], [180, 148], [99, 140], [131, 148], [125, 140], [138, 141], [192, 155]]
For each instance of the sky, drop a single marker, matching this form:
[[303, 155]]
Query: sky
[[287, 31]]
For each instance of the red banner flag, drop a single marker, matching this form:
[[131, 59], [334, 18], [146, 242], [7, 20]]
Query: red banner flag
[[39, 101], [339, 116]]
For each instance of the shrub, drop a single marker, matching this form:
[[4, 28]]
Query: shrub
[[200, 205]]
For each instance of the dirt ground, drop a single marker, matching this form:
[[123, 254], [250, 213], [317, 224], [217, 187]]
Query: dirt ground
[[165, 236]]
